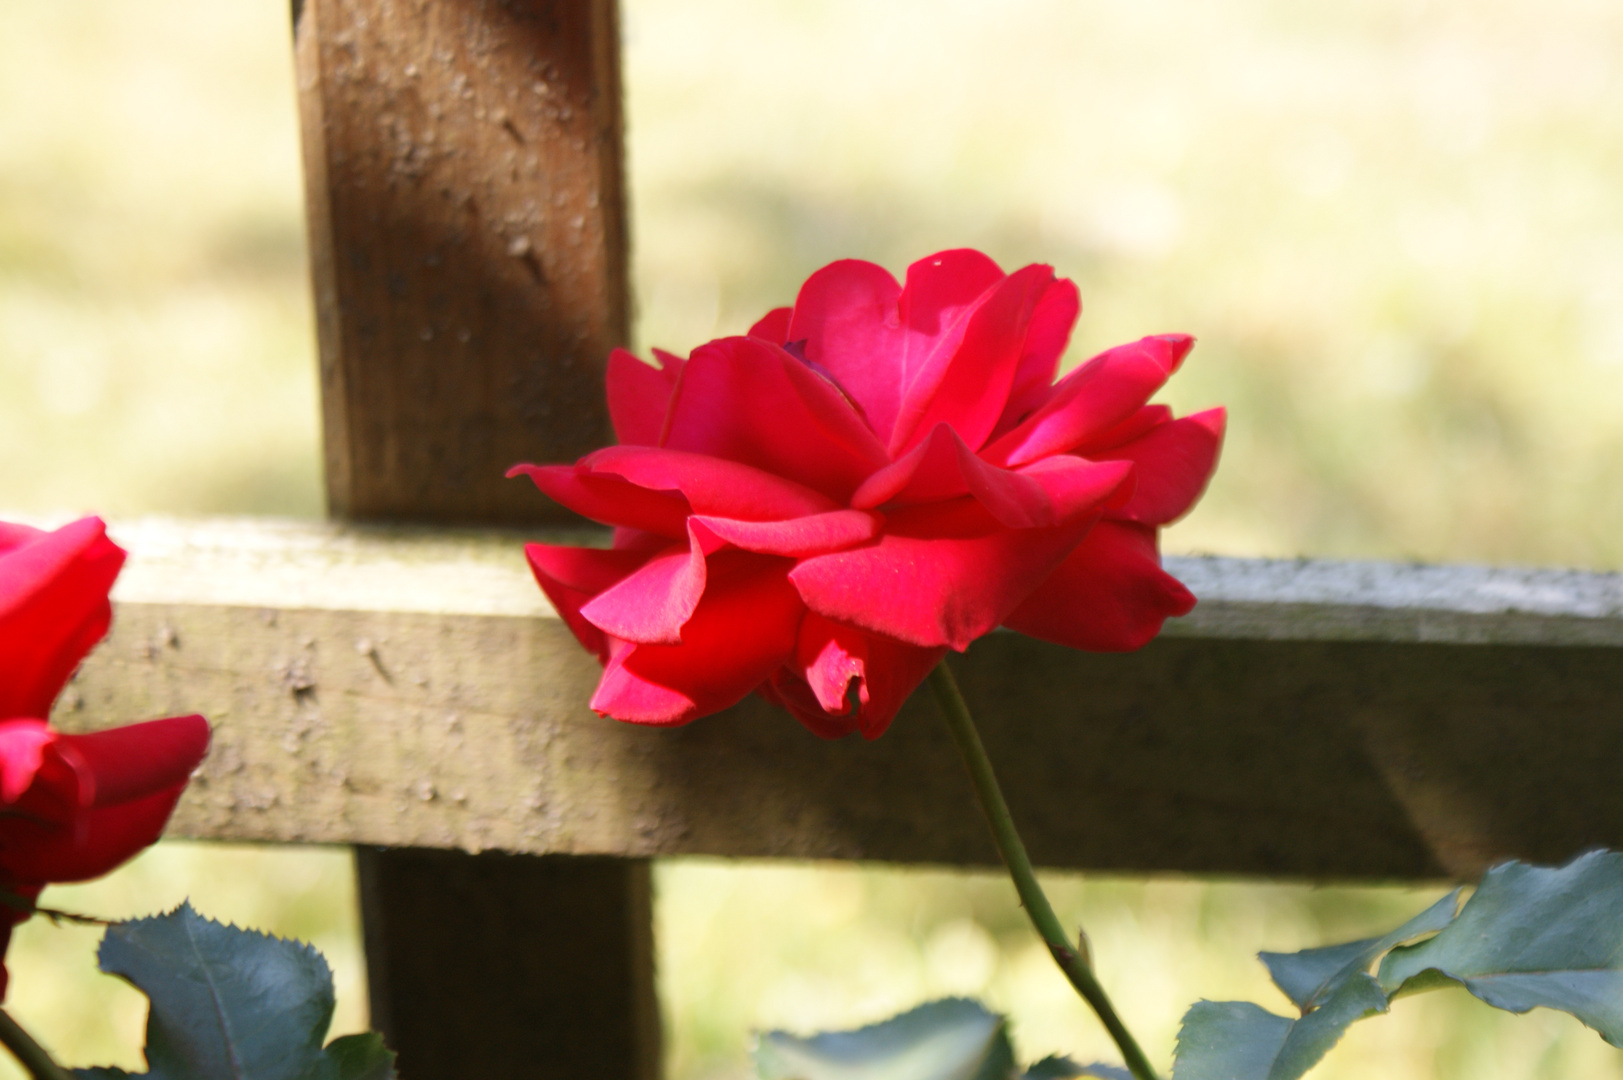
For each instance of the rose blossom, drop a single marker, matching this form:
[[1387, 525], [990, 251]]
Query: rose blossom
[[72, 807], [821, 509]]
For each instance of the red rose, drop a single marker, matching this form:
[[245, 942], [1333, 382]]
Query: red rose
[[821, 509], [72, 807]]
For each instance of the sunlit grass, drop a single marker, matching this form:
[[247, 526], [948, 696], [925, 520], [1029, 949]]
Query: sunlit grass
[[1395, 226]]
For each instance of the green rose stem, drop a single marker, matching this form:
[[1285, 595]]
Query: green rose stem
[[30, 1053], [1075, 966]]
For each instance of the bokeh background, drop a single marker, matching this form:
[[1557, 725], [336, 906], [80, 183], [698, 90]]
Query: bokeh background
[[1396, 227]]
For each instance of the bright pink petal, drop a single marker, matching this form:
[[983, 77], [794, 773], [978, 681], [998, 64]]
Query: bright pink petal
[[743, 630], [967, 385], [639, 395], [1173, 464], [571, 576], [651, 604], [943, 467], [814, 534], [773, 326], [1050, 332], [846, 315], [710, 485], [23, 743], [609, 499], [107, 836], [751, 402], [138, 760], [1090, 401], [1109, 595], [53, 609]]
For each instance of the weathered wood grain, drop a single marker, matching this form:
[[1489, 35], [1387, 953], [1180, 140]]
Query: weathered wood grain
[[466, 213], [1296, 741]]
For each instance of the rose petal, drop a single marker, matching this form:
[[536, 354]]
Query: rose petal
[[751, 402], [1050, 332], [1173, 464], [773, 326], [743, 630], [571, 576], [107, 837], [1109, 595], [651, 604], [835, 658], [1103, 393], [138, 760], [846, 315], [609, 499], [943, 467], [709, 485], [640, 394], [967, 386], [940, 575], [53, 609], [22, 750], [814, 534]]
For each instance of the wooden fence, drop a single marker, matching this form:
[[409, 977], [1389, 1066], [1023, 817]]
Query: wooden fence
[[393, 679]]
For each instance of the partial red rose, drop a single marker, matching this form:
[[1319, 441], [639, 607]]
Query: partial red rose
[[72, 807], [819, 510]]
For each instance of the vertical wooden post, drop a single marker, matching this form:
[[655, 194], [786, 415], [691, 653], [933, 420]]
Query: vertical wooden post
[[463, 166], [468, 244]]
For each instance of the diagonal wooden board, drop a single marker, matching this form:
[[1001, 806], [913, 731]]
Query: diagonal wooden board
[[377, 685]]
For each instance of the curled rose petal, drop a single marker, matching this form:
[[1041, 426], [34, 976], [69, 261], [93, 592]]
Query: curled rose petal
[[53, 608], [1108, 595], [741, 632], [640, 395]]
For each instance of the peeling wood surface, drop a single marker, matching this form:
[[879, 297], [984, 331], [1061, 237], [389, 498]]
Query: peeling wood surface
[[1231, 747]]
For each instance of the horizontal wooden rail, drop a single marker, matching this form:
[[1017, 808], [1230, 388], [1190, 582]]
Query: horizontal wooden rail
[[1316, 719]]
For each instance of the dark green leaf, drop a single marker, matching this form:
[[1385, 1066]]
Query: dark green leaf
[[360, 1057], [1236, 1040], [1063, 1068], [230, 1004], [1310, 976], [952, 1039], [1533, 936]]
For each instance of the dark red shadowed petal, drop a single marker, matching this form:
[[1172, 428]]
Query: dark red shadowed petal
[[836, 663], [53, 609], [846, 315], [743, 630], [125, 781], [1173, 463], [745, 400], [967, 385], [137, 760], [1109, 595], [639, 395]]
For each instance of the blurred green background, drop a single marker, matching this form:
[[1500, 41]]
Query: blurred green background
[[1396, 227]]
